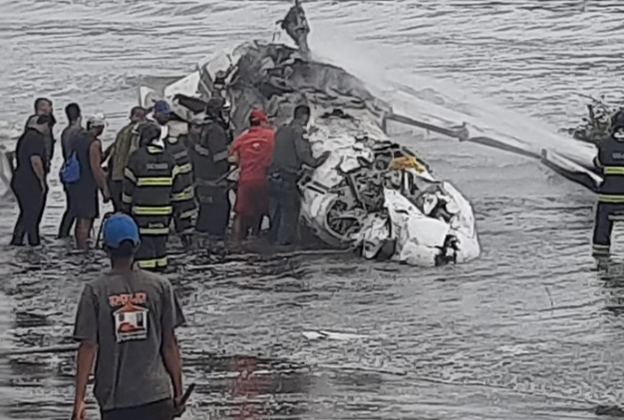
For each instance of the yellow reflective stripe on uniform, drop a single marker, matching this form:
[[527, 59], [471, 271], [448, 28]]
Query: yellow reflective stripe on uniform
[[152, 211], [153, 263], [154, 149], [613, 170], [175, 172], [185, 169], [128, 174], [187, 194], [615, 199], [154, 231], [164, 181], [126, 198]]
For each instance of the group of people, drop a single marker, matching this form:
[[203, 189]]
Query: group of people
[[161, 175]]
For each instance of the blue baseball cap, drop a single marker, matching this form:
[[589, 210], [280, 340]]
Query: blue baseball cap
[[119, 228], [162, 107]]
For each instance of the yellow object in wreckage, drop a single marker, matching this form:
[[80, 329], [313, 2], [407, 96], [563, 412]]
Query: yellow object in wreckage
[[407, 162]]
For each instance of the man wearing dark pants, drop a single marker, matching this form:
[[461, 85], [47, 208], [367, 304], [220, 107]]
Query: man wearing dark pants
[[610, 205], [29, 181], [292, 150], [74, 128], [126, 321]]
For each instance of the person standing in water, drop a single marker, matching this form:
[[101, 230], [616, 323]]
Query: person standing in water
[[43, 106], [292, 150], [253, 153], [610, 160], [126, 142], [153, 193], [84, 193], [29, 181], [210, 166], [126, 323], [74, 128]]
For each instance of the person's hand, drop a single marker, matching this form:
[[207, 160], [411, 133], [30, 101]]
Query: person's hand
[[80, 411], [106, 195], [178, 407]]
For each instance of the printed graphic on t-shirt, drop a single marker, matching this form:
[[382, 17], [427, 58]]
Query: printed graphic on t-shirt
[[131, 320]]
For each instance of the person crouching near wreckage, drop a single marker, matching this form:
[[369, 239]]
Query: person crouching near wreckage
[[126, 320], [153, 194], [292, 150], [610, 205], [209, 156], [252, 152]]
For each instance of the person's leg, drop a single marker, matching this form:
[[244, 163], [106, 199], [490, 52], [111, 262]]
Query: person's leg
[[289, 225], [274, 212], [67, 221], [82, 233], [603, 225], [18, 230], [152, 253], [35, 214]]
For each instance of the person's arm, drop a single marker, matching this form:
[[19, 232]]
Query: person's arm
[[86, 332], [183, 201], [234, 158], [304, 150], [95, 156], [39, 168], [36, 160], [108, 152], [217, 143], [129, 183], [172, 318]]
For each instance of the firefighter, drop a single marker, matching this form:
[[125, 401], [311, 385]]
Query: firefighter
[[210, 167], [610, 205], [153, 193], [188, 207]]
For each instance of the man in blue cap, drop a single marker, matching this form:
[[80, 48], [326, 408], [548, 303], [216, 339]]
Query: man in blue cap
[[126, 320], [162, 112]]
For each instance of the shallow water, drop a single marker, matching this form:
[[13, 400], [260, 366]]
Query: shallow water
[[528, 331]]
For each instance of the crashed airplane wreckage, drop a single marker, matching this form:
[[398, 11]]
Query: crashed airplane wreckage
[[371, 193]]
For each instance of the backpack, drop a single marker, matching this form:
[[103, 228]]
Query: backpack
[[71, 171]]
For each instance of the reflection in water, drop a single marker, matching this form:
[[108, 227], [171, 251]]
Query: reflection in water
[[247, 387]]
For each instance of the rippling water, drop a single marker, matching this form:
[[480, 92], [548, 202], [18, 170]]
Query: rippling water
[[525, 332]]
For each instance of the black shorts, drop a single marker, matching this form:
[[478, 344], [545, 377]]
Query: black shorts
[[159, 410], [84, 202]]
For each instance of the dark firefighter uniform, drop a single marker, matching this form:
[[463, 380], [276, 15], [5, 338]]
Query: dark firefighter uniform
[[153, 194], [210, 168], [188, 207], [610, 205]]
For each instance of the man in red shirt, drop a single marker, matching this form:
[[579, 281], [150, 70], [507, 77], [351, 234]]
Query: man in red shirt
[[253, 153]]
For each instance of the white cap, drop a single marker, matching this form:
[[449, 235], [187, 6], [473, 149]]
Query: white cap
[[97, 120]]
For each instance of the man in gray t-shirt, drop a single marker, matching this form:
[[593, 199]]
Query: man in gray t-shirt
[[127, 319]]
